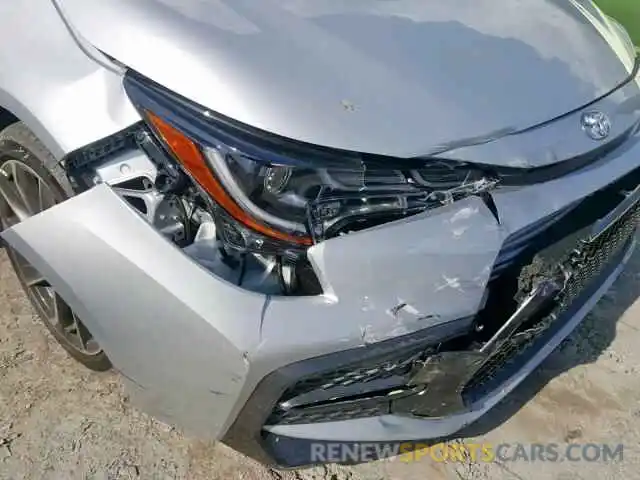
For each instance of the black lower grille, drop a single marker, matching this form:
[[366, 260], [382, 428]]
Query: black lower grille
[[334, 395], [361, 386], [358, 374], [434, 374], [333, 412], [587, 259]]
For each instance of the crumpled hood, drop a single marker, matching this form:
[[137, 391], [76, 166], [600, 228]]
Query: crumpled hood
[[394, 77]]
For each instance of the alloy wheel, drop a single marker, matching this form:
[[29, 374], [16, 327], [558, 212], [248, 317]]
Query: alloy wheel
[[24, 194]]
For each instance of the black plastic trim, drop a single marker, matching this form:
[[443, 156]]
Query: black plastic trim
[[97, 151], [288, 452], [245, 435], [510, 176], [521, 359], [78, 163]]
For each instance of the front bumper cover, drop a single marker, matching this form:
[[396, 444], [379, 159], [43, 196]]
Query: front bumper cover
[[292, 445], [193, 348], [443, 393]]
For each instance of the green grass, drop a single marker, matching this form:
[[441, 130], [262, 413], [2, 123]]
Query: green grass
[[626, 12]]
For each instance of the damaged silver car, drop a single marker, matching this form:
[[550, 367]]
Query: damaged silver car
[[293, 221]]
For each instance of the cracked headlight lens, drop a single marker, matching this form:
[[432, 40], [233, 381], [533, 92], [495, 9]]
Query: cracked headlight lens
[[323, 202], [270, 196]]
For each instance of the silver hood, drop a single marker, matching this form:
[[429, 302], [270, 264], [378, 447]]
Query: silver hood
[[394, 77]]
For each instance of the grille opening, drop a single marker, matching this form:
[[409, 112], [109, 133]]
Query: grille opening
[[554, 246], [361, 387], [597, 259], [513, 283], [538, 254], [388, 373], [378, 394]]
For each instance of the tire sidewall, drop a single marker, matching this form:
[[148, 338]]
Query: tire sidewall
[[20, 144]]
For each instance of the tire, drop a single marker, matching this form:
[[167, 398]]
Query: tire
[[19, 145]]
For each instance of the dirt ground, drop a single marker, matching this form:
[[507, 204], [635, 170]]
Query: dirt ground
[[59, 421]]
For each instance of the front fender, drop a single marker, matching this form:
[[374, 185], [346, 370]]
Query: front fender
[[178, 335], [65, 97]]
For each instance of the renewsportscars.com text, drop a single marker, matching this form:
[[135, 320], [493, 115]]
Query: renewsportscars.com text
[[468, 452]]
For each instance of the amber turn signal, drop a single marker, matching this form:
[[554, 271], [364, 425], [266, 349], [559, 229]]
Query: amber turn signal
[[191, 158]]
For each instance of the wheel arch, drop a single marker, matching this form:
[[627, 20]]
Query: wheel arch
[[7, 118]]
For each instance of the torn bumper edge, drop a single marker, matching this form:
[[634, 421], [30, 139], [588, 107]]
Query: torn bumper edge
[[391, 428], [192, 347]]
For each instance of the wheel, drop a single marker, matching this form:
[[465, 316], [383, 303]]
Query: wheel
[[32, 182]]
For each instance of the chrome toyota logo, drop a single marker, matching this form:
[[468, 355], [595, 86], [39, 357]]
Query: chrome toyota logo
[[596, 124]]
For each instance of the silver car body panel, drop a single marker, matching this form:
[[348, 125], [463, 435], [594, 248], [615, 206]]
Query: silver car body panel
[[558, 140], [211, 342], [75, 81], [66, 98], [167, 325], [401, 78], [194, 346], [400, 428], [191, 346]]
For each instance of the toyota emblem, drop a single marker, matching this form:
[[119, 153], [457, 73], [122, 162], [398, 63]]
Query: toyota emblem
[[596, 124]]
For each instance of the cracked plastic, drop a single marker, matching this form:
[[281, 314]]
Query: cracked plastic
[[193, 346], [384, 282], [179, 332], [159, 316]]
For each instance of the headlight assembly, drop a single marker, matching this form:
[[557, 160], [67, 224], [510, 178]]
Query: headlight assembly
[[274, 195]]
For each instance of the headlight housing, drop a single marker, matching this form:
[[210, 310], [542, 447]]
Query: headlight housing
[[276, 195]]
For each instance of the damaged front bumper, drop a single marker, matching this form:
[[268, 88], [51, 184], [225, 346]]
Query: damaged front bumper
[[448, 390], [410, 339], [290, 445]]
